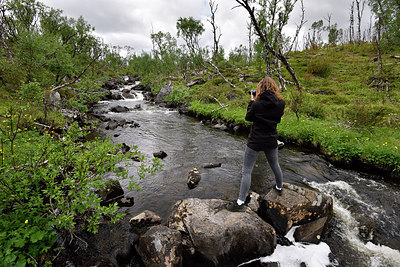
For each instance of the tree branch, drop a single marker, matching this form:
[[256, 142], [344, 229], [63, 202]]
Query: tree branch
[[245, 4], [76, 78]]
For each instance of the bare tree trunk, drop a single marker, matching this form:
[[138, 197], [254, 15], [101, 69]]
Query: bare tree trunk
[[359, 17], [250, 28], [268, 47], [351, 29], [2, 34], [378, 42], [217, 37], [299, 26]]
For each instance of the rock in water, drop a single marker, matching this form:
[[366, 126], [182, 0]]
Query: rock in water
[[214, 236], [160, 154], [296, 206], [194, 178], [212, 165], [160, 246]]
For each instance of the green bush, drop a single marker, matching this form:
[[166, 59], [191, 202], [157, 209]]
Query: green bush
[[50, 185], [179, 94], [320, 66]]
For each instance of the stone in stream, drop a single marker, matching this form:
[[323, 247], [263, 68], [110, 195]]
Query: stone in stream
[[296, 206], [119, 109], [212, 165], [161, 154], [194, 178], [312, 231]]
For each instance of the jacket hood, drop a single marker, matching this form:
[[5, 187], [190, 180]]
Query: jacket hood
[[269, 96]]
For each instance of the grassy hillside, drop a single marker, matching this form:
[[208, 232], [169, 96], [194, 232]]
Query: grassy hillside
[[342, 112]]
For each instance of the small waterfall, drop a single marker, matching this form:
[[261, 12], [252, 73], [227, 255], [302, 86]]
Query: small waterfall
[[345, 199]]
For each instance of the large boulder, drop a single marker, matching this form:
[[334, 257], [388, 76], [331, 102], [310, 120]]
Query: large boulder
[[160, 246], [296, 206], [164, 92], [214, 236]]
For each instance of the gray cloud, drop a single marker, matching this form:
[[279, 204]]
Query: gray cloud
[[130, 23]]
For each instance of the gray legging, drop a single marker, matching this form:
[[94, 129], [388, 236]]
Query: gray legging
[[250, 157]]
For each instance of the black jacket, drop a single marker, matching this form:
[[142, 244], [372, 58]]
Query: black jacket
[[265, 114]]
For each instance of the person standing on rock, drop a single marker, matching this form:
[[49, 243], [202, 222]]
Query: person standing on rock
[[265, 111]]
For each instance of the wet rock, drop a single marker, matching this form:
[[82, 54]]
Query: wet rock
[[112, 125], [113, 192], [113, 244], [220, 126], [127, 95], [111, 84], [138, 86], [194, 178], [311, 232], [218, 237], [212, 165], [119, 109], [126, 202], [283, 241], [367, 228], [125, 148], [141, 222], [296, 206], [160, 246], [161, 154], [164, 92], [116, 96]]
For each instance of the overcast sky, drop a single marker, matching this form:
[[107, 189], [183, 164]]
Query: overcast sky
[[130, 22]]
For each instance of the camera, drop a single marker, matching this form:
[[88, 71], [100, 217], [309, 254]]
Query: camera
[[252, 92]]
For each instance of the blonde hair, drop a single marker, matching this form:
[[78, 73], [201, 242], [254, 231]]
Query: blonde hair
[[267, 84]]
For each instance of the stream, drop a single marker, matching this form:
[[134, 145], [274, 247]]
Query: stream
[[364, 231]]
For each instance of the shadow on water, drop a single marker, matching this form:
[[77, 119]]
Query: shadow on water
[[366, 221]]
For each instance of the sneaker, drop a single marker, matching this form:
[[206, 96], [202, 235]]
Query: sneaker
[[280, 145], [279, 191], [234, 207]]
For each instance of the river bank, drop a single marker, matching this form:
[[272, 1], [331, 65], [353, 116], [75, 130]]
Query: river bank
[[364, 150]]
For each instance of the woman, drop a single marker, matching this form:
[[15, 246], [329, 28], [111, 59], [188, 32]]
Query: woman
[[265, 111]]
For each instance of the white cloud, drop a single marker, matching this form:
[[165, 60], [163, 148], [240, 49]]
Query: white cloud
[[130, 22]]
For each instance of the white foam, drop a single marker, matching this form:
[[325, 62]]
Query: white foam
[[348, 228], [311, 254]]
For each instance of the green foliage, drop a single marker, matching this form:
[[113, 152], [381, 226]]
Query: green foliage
[[49, 185], [180, 94], [31, 91], [320, 66]]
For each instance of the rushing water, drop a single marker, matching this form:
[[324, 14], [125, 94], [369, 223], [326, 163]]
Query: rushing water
[[365, 229]]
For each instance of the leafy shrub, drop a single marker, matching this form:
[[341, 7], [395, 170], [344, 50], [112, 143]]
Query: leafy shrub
[[49, 185], [320, 66], [179, 94]]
